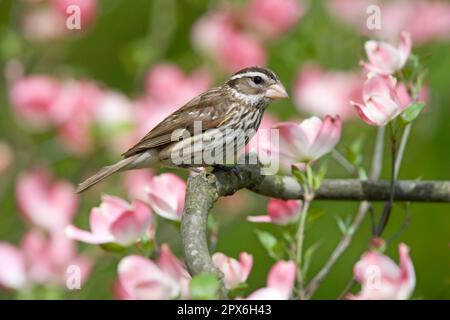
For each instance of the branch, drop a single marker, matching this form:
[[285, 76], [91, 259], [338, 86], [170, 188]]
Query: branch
[[375, 171], [204, 189]]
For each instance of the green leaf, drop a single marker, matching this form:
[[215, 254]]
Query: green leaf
[[320, 175], [113, 247], [412, 112], [147, 244], [354, 152], [314, 214], [273, 246], [238, 290], [205, 286], [362, 174], [342, 225], [299, 175], [309, 253]]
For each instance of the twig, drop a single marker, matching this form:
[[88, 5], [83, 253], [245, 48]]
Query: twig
[[396, 168], [347, 165], [402, 147], [387, 209], [300, 240], [377, 159], [377, 164], [203, 190]]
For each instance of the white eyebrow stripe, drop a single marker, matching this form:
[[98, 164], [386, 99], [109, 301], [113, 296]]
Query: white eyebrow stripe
[[250, 74]]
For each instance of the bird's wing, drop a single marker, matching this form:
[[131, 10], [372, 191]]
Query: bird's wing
[[209, 108]]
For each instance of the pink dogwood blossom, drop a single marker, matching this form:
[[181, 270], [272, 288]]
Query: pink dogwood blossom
[[142, 279], [41, 259], [384, 58], [310, 139], [87, 9], [218, 36], [239, 50], [114, 221], [135, 182], [32, 98], [321, 92], [168, 85], [280, 212], [274, 17], [382, 102], [425, 20], [235, 272], [166, 193], [280, 282], [381, 278], [44, 201]]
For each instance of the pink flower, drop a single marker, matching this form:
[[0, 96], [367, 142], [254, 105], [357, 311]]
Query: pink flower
[[88, 9], [384, 58], [12, 272], [274, 17], [430, 21], [310, 139], [167, 84], [114, 221], [73, 112], [207, 32], [382, 279], [280, 283], [239, 50], [41, 259], [76, 99], [135, 182], [219, 36], [425, 20], [235, 272], [322, 92], [167, 89], [382, 102], [42, 24], [166, 194], [44, 201], [143, 279], [48, 258], [32, 99], [279, 212]]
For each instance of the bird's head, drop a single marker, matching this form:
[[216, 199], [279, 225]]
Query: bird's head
[[256, 84]]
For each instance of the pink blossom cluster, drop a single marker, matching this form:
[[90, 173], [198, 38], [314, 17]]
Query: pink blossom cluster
[[321, 92], [424, 20], [48, 20], [115, 221], [45, 254], [233, 36], [382, 279], [74, 107], [384, 97]]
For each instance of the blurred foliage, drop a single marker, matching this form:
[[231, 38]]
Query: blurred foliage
[[129, 36]]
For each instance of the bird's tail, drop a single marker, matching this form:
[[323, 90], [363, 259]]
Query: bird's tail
[[104, 173]]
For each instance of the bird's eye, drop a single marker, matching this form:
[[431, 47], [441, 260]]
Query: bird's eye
[[257, 80]]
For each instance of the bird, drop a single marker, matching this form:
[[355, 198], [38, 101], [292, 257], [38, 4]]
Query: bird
[[207, 131]]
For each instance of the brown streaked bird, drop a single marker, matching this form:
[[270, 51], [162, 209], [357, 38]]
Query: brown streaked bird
[[228, 111]]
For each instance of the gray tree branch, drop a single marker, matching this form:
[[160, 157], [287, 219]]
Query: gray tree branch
[[204, 189]]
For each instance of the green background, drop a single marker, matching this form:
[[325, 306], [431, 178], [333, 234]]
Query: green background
[[129, 36]]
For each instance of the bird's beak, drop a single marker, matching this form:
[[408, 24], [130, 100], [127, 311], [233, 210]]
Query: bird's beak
[[276, 91]]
